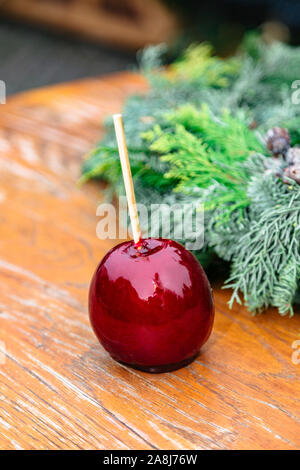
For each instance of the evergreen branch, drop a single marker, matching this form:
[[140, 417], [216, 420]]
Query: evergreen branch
[[266, 259], [201, 151]]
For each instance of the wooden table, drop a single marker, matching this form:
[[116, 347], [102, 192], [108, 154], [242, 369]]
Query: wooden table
[[58, 388]]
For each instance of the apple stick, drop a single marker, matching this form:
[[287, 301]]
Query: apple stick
[[127, 177]]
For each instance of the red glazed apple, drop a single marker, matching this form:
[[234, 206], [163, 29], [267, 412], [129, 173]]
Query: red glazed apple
[[151, 305]]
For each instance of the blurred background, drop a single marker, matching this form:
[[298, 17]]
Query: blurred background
[[44, 42]]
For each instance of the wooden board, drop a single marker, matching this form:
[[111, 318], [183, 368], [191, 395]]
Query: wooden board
[[58, 388]]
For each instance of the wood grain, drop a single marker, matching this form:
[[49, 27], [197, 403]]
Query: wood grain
[[58, 388]]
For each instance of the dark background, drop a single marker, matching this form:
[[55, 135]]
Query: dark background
[[33, 55]]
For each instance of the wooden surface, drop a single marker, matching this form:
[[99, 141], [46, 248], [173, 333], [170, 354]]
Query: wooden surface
[[58, 388]]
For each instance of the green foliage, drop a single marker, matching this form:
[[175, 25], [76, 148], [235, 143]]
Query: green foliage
[[266, 261], [191, 138], [214, 149], [199, 63]]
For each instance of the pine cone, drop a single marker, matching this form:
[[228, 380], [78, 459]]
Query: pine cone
[[293, 156], [292, 172], [278, 140]]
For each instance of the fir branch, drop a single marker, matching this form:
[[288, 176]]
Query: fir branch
[[266, 259], [204, 154], [199, 63]]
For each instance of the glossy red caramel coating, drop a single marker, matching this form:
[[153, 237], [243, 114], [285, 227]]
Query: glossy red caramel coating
[[151, 304]]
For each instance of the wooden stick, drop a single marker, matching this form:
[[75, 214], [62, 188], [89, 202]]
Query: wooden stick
[[127, 177]]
